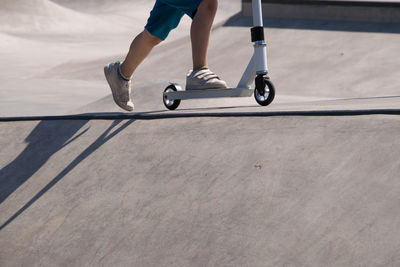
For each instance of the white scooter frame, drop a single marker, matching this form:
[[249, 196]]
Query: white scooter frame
[[257, 70]]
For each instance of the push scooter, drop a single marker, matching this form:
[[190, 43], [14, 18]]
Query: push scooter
[[257, 69]]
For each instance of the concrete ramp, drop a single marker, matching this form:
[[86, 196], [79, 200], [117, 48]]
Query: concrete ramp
[[223, 190], [44, 16]]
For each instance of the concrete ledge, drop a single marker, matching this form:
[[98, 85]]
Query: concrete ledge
[[368, 11]]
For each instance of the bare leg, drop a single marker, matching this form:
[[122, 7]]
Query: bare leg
[[200, 32], [140, 48]]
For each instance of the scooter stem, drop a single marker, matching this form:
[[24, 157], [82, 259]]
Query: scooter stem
[[257, 36], [257, 14]]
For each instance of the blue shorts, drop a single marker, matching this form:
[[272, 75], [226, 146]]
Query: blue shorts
[[167, 14]]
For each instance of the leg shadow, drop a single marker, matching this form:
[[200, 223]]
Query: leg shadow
[[106, 136], [43, 142]]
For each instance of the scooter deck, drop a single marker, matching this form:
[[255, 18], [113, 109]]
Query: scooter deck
[[209, 93]]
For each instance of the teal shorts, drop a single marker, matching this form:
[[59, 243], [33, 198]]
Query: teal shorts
[[167, 14]]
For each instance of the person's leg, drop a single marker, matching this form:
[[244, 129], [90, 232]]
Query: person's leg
[[119, 75], [201, 77], [140, 48], [200, 32], [163, 18]]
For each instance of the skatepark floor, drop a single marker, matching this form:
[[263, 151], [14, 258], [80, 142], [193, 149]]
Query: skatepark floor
[[311, 180]]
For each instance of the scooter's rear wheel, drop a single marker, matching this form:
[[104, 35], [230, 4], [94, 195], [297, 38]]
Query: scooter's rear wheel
[[171, 104], [264, 93]]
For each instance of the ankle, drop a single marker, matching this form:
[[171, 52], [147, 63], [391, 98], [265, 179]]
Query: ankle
[[200, 68], [122, 75]]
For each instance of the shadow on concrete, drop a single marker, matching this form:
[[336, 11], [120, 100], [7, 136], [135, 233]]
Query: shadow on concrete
[[45, 140], [206, 113], [238, 20]]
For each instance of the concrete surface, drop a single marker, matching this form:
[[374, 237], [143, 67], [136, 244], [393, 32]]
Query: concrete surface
[[312, 180], [253, 191]]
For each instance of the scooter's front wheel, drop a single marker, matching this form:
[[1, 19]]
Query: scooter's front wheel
[[264, 93], [170, 104]]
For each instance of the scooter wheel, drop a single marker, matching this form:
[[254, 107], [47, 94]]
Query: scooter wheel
[[170, 104], [268, 92]]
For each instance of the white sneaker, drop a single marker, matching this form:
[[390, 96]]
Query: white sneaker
[[120, 88], [203, 79]]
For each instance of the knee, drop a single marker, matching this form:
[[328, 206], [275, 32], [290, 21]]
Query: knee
[[153, 40], [210, 5]]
